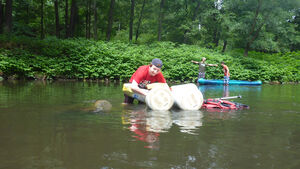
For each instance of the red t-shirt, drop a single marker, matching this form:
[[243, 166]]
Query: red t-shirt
[[142, 74]]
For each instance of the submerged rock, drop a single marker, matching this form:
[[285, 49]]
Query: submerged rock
[[102, 106], [91, 106]]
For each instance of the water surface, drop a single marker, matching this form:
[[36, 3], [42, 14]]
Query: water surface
[[50, 125]]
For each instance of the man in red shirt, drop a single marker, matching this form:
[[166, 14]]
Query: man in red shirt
[[145, 75]]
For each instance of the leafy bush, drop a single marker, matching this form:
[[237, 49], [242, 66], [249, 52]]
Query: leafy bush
[[52, 58]]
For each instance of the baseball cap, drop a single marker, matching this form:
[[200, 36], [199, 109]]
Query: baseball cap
[[157, 62]]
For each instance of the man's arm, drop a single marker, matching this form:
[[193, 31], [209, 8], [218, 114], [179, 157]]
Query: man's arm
[[195, 62], [135, 88], [212, 65], [227, 70]]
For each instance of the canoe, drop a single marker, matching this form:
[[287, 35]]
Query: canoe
[[222, 105], [231, 82]]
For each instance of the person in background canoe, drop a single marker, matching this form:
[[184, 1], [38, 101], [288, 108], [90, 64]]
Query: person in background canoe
[[202, 66], [226, 73], [143, 76]]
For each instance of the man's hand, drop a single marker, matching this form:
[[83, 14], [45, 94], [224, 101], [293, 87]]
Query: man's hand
[[135, 88]]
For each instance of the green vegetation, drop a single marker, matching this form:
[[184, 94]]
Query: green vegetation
[[109, 39], [51, 58], [252, 25]]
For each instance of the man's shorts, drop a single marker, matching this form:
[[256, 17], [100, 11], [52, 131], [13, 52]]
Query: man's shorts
[[226, 80], [201, 75]]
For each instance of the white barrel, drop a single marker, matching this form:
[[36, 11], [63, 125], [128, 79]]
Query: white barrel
[[160, 98], [187, 96]]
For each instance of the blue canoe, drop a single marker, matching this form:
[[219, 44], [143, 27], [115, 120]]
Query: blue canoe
[[231, 82]]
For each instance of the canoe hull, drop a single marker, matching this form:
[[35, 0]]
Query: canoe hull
[[231, 82]]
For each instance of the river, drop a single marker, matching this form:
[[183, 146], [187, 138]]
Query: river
[[50, 125]]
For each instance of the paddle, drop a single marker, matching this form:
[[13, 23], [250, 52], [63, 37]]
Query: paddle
[[230, 97]]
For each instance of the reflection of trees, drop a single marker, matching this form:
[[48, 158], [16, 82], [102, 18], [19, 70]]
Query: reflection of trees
[[188, 121], [216, 91], [221, 114], [48, 93], [36, 162]]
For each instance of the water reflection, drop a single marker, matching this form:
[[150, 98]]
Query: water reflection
[[219, 114], [147, 125], [188, 121], [158, 121], [216, 91], [225, 91], [206, 88]]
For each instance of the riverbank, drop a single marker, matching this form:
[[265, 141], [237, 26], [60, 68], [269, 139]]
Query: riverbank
[[81, 59]]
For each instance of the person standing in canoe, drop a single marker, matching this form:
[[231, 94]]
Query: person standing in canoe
[[143, 76], [202, 67], [226, 73]]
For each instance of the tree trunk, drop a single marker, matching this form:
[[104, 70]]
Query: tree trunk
[[252, 30], [57, 27], [224, 46], [110, 19], [193, 19], [186, 18], [67, 18], [27, 13], [247, 49], [90, 9], [139, 22], [216, 32], [88, 20], [160, 19], [131, 20], [216, 37], [42, 20], [1, 16], [73, 18], [95, 20], [249, 43], [8, 16]]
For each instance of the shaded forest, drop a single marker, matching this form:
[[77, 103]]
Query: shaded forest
[[269, 26]]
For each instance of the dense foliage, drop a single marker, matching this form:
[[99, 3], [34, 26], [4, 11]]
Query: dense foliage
[[253, 25], [51, 58]]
